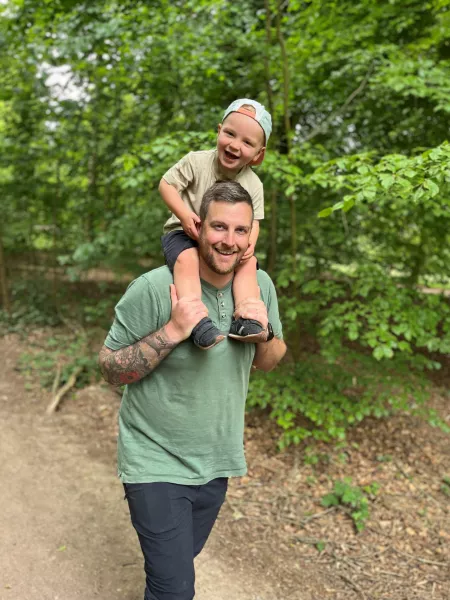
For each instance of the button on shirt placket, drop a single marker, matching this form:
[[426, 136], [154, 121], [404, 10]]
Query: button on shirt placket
[[221, 304]]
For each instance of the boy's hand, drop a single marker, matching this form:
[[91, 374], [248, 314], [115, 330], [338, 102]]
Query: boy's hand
[[248, 253], [189, 225]]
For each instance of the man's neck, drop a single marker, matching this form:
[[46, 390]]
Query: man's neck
[[217, 280]]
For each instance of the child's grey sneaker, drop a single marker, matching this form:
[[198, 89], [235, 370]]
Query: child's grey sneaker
[[205, 334], [247, 330]]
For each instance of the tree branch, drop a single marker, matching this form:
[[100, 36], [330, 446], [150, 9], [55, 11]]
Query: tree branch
[[321, 128]]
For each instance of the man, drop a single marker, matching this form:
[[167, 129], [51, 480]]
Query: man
[[181, 420]]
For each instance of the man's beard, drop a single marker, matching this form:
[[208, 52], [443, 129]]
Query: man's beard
[[209, 256]]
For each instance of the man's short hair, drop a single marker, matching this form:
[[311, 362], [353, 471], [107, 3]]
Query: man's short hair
[[224, 191]]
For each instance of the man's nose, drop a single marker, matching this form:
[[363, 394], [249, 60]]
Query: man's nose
[[229, 238]]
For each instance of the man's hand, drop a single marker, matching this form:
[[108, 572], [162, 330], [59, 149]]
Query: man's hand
[[248, 253], [252, 308], [189, 225], [186, 313]]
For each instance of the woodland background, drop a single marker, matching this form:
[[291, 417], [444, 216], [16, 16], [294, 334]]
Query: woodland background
[[99, 98]]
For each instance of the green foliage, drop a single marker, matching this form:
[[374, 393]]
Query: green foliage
[[97, 100], [355, 498], [372, 340], [33, 305], [314, 399], [371, 307], [64, 352]]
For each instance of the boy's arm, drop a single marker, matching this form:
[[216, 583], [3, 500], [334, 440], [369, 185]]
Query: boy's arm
[[173, 201], [252, 241], [254, 233]]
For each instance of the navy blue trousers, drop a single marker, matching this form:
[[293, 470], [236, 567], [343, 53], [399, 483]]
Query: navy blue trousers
[[173, 523]]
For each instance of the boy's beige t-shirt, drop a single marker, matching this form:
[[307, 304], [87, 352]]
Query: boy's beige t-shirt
[[197, 171]]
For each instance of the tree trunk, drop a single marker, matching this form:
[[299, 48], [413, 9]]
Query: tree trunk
[[271, 259], [3, 279], [287, 129]]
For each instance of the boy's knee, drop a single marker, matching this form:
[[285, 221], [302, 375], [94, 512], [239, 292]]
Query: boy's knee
[[187, 257]]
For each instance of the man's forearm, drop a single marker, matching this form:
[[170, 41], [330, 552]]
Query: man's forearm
[[132, 363], [269, 354]]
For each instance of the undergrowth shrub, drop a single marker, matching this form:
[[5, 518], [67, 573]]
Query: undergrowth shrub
[[355, 498], [37, 303], [32, 304], [359, 345], [64, 352], [315, 399]]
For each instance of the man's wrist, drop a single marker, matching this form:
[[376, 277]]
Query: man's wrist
[[270, 333], [173, 334]]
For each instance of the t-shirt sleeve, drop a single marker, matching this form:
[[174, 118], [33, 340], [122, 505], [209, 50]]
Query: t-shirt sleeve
[[269, 296], [136, 315], [181, 174], [258, 202]]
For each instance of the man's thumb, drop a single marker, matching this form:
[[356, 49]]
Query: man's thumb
[[173, 294]]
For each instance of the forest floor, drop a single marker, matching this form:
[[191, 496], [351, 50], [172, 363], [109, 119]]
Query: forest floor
[[66, 533]]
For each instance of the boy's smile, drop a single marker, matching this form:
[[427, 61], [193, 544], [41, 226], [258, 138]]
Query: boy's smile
[[239, 143]]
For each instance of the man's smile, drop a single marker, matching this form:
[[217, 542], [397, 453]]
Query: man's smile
[[225, 252]]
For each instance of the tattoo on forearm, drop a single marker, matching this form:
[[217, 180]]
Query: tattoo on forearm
[[134, 362], [159, 344]]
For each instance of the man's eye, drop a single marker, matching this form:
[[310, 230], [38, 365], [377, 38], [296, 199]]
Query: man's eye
[[218, 227]]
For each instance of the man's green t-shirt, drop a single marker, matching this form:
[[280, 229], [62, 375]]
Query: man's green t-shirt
[[184, 422]]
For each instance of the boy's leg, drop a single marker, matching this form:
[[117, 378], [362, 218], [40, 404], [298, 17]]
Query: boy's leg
[[161, 513], [181, 256], [186, 276], [245, 285]]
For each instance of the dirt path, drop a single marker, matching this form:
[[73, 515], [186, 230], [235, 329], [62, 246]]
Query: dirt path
[[64, 526], [65, 530]]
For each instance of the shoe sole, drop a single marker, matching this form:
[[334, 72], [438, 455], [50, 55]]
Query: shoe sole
[[251, 339], [219, 339]]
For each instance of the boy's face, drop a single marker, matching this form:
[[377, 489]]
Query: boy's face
[[239, 143]]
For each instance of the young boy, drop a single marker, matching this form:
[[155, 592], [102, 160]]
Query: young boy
[[241, 144]]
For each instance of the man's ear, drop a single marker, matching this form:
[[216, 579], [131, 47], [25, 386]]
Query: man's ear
[[259, 157], [198, 225]]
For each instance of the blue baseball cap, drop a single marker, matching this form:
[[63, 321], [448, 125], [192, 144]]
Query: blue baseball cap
[[261, 115]]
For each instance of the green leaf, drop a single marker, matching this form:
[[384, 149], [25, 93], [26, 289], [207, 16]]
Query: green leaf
[[429, 184], [326, 212], [387, 181]]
